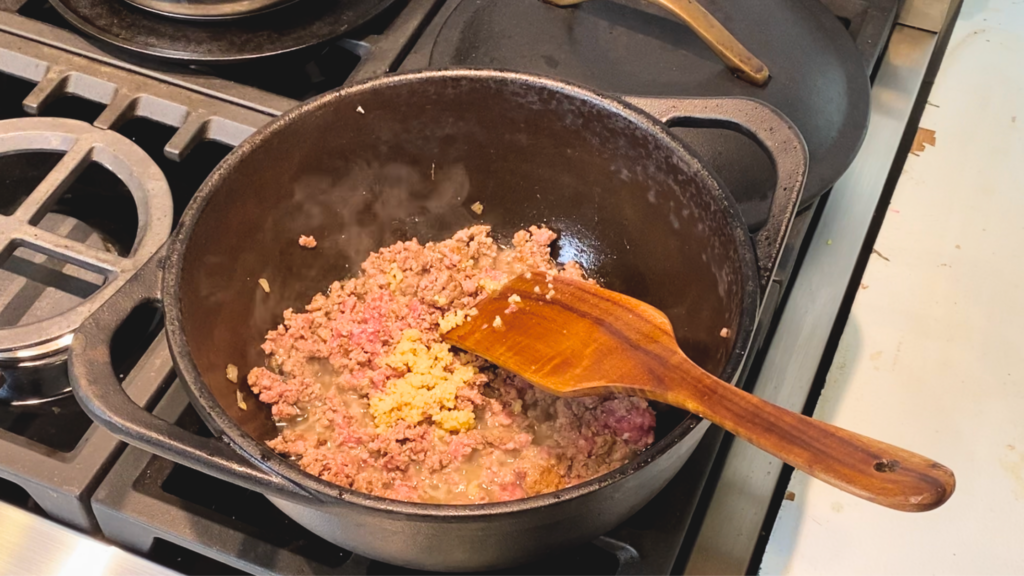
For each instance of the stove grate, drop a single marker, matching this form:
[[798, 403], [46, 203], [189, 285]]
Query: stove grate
[[51, 456], [186, 120], [54, 458]]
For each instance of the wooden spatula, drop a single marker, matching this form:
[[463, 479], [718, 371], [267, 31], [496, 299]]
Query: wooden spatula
[[572, 338], [728, 49]]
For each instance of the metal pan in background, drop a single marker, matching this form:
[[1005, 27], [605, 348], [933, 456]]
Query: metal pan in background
[[818, 79], [208, 9], [628, 200], [285, 29]]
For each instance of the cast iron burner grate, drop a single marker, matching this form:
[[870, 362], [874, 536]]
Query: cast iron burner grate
[[40, 238], [52, 457]]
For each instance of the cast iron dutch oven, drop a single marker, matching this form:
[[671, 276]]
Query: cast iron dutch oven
[[406, 156]]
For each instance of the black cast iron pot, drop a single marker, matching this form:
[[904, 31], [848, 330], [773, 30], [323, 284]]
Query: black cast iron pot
[[407, 156]]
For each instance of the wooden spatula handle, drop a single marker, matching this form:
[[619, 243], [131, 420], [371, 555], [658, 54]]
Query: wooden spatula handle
[[873, 470], [587, 340]]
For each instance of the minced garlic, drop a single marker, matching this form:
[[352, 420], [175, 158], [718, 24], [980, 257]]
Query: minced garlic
[[452, 319], [264, 284], [514, 299], [490, 285], [395, 278], [232, 373], [428, 388]]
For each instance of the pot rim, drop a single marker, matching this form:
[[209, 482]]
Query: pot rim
[[261, 455]]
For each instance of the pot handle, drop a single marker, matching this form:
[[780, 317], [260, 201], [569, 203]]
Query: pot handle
[[773, 132], [105, 401]]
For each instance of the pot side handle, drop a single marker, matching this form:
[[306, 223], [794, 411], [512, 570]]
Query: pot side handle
[[105, 401], [775, 135]]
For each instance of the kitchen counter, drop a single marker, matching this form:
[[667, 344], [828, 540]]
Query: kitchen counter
[[931, 356]]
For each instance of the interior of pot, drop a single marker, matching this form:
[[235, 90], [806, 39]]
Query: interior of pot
[[407, 158]]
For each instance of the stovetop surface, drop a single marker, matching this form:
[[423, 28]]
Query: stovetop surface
[[181, 518]]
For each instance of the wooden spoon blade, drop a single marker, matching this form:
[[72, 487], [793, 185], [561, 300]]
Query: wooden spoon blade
[[568, 336]]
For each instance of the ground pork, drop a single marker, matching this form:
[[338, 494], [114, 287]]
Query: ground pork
[[328, 364]]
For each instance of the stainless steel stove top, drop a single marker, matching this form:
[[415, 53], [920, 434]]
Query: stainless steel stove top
[[172, 124]]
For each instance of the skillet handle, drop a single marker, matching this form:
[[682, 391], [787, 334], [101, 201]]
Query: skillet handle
[[773, 132], [105, 401]]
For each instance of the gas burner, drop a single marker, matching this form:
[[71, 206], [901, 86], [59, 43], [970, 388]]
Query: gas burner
[[209, 9], [286, 29], [37, 242]]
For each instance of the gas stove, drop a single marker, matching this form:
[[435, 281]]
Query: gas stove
[[168, 123]]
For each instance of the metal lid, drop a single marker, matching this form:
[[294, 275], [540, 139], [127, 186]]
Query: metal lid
[[208, 9], [291, 26]]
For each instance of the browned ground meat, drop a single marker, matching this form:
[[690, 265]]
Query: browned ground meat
[[326, 364]]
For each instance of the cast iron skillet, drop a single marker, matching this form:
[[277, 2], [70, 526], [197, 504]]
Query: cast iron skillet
[[405, 156]]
